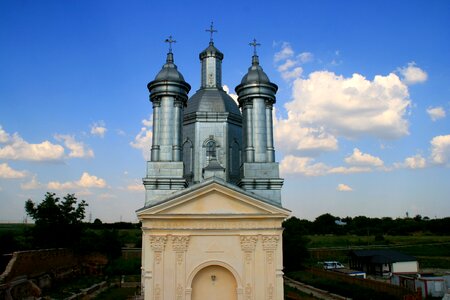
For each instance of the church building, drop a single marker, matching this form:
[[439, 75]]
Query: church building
[[212, 219]]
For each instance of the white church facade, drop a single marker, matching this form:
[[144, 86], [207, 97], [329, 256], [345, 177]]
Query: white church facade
[[212, 219]]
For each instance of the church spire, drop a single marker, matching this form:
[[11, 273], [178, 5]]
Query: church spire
[[211, 30], [211, 59], [256, 96], [168, 94], [255, 59]]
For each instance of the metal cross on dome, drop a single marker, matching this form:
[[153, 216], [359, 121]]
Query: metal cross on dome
[[170, 40], [254, 44], [211, 30]]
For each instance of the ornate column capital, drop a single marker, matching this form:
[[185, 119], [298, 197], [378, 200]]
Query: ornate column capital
[[158, 242], [270, 242], [180, 243], [248, 242]]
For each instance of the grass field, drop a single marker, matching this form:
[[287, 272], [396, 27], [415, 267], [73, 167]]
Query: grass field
[[431, 251], [335, 241]]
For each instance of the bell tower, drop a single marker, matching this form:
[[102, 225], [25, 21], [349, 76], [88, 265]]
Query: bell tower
[[256, 96], [168, 94]]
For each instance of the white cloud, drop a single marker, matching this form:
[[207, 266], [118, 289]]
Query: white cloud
[[344, 188], [293, 138], [285, 52], [436, 113], [302, 165], [292, 74], [120, 132], [412, 74], [349, 170], [136, 187], [16, 148], [226, 88], [305, 57], [362, 159], [4, 136], [31, 185], [413, 162], [308, 167], [89, 181], [98, 129], [143, 139], [288, 65], [440, 149], [77, 149], [7, 172], [86, 181], [351, 107], [107, 196], [338, 106], [56, 185]]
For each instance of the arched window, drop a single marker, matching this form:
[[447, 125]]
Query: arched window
[[211, 150], [188, 159]]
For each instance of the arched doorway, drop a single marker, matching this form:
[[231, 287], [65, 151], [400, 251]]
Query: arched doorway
[[214, 283]]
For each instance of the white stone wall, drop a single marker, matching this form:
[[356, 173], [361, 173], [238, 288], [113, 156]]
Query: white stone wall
[[172, 260]]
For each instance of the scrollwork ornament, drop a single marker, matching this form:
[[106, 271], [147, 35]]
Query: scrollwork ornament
[[270, 242], [158, 242], [248, 242]]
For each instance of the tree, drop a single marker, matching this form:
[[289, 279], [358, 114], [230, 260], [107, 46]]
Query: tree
[[57, 223], [325, 224], [295, 252]]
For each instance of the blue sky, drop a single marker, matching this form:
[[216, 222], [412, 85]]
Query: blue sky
[[362, 115]]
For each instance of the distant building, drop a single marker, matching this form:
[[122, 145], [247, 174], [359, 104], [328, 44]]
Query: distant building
[[383, 262], [429, 285]]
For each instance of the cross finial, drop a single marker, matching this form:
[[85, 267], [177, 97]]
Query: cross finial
[[211, 30], [254, 44], [170, 40]]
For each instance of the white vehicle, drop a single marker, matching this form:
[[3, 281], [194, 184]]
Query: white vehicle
[[328, 265]]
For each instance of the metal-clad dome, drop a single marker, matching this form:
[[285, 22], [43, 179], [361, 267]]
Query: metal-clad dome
[[211, 50], [255, 73], [211, 100], [169, 71]]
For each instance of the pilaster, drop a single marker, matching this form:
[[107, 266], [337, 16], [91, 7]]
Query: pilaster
[[248, 244], [180, 246], [157, 244], [270, 243]]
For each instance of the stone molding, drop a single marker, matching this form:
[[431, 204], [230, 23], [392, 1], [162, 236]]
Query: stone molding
[[213, 224]]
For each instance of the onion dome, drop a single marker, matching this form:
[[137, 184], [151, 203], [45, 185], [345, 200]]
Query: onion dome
[[255, 73], [169, 81], [256, 83], [211, 50], [169, 71]]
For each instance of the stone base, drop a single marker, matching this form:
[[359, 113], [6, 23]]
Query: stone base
[[162, 179], [262, 179]]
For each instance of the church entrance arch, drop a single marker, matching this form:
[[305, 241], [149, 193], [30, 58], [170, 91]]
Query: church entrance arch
[[214, 282]]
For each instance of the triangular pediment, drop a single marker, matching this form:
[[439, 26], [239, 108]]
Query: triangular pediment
[[213, 198]]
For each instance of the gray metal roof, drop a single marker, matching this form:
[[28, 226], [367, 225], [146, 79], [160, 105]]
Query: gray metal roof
[[179, 193], [169, 71], [383, 256], [211, 50], [211, 100], [255, 73]]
